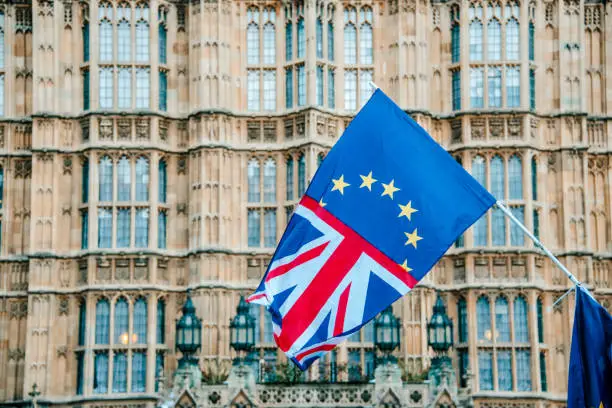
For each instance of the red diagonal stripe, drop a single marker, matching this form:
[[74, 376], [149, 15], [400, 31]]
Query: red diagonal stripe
[[323, 347], [341, 312], [302, 258]]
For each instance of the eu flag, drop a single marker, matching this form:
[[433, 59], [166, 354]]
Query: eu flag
[[384, 206], [590, 369]]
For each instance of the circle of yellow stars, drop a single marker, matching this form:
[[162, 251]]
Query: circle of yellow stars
[[406, 210]]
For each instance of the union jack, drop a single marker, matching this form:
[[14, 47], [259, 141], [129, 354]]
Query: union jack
[[309, 285]]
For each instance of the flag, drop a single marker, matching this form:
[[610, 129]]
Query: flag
[[383, 207], [590, 369]]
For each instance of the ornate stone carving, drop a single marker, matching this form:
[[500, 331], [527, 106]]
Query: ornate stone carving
[[62, 351], [142, 128], [23, 168], [124, 129], [163, 130], [64, 306], [106, 129], [67, 169], [181, 165]]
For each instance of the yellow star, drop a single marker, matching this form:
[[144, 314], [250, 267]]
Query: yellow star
[[407, 210], [321, 203], [389, 189], [339, 184], [405, 266], [413, 238], [367, 181], [601, 404]]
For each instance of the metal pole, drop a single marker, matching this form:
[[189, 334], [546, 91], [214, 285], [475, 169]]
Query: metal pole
[[509, 214]]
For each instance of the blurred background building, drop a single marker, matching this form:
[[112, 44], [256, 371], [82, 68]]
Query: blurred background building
[[148, 148]]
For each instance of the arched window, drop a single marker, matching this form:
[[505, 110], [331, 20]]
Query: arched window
[[105, 13], [483, 319], [290, 193], [142, 33], [270, 181], [162, 221], [139, 371], [269, 44], [462, 320], [122, 321], [253, 181], [477, 87], [531, 41], [476, 40], [521, 328], [540, 313], [253, 36], [82, 323], [366, 42], [497, 177], [515, 177], [163, 43], [124, 40], [85, 30], [319, 38], [504, 370], [289, 41], [142, 179], [123, 227], [124, 179], [163, 181], [502, 320], [142, 227], [495, 87], [301, 176], [102, 321], [512, 40], [494, 40], [84, 182], [301, 38], [161, 322], [455, 43], [350, 44], [140, 321], [534, 178], [1, 39], [105, 227], [330, 41], [106, 179], [479, 170], [124, 88]]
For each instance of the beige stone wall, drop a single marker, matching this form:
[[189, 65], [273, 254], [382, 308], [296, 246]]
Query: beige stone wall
[[207, 137]]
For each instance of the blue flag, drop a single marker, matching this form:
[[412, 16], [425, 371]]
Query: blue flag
[[384, 206], [590, 369]]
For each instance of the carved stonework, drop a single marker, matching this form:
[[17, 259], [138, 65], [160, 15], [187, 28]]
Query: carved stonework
[[163, 130], [62, 351], [142, 128], [64, 306], [106, 129], [124, 129], [181, 165], [23, 168], [67, 168], [16, 354]]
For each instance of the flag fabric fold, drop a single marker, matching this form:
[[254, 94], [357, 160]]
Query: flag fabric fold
[[383, 207], [590, 368]]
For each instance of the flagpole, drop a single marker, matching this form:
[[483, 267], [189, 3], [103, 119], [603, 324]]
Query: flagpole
[[539, 244]]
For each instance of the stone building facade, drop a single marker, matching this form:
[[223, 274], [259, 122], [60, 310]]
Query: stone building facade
[[150, 147]]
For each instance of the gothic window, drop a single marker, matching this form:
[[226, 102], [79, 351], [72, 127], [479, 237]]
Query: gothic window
[[485, 370], [350, 37], [365, 36], [497, 177], [80, 366], [142, 88], [269, 96], [523, 370], [477, 87], [269, 38], [288, 41], [124, 29], [504, 370], [124, 179], [290, 193], [512, 37], [494, 39], [142, 179], [289, 88], [140, 321], [102, 321], [163, 91], [330, 41], [543, 379], [462, 320], [84, 182], [122, 316], [253, 181], [82, 323], [515, 177], [100, 385], [475, 32], [106, 87], [301, 85], [331, 93], [142, 227], [162, 220], [253, 90], [142, 33], [162, 42], [254, 228], [2, 24], [455, 35], [319, 38], [532, 90], [521, 330], [456, 90], [253, 36], [123, 227], [85, 32], [513, 87], [269, 186], [540, 321], [163, 181], [105, 13], [301, 38], [483, 316], [350, 89], [106, 179], [269, 228], [139, 371], [531, 41], [517, 237], [320, 85], [301, 176], [502, 320], [358, 48], [161, 322], [120, 372], [495, 87], [124, 88]]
